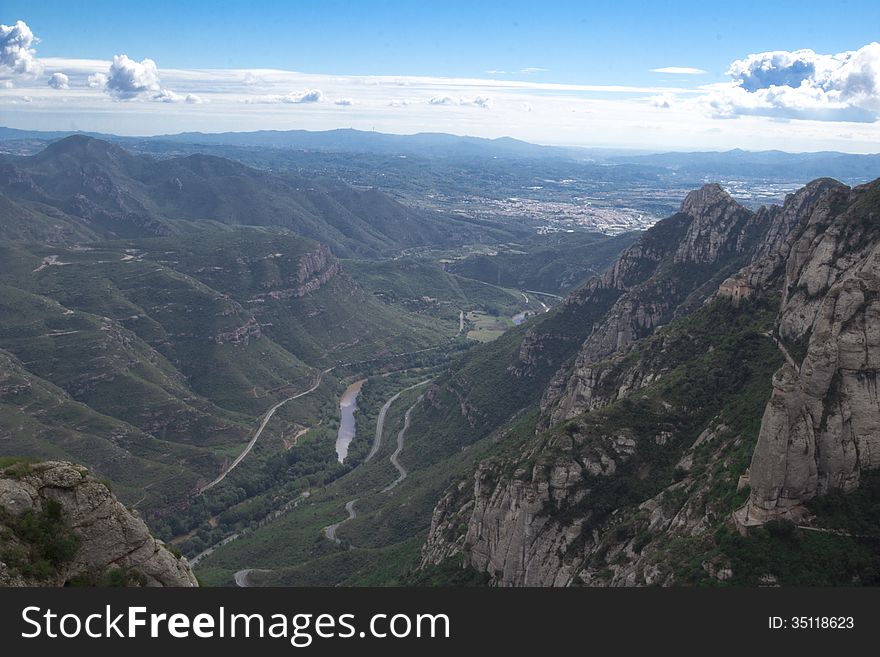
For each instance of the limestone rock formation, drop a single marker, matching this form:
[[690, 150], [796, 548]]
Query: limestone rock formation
[[821, 428], [562, 509], [713, 231], [107, 536]]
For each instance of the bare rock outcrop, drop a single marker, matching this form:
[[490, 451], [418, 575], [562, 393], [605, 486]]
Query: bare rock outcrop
[[107, 535], [546, 514], [719, 233], [821, 428]]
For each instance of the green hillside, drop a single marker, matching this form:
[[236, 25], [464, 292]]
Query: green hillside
[[80, 187], [553, 263]]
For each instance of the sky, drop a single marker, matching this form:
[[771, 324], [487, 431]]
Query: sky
[[797, 76]]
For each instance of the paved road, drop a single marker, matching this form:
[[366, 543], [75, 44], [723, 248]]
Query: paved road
[[243, 578], [380, 423], [266, 418], [273, 515], [330, 530], [546, 294], [400, 469], [461, 321]]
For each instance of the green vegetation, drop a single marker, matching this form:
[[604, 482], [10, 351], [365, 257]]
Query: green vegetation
[[121, 195], [780, 553], [486, 327], [36, 543], [553, 263], [842, 550], [113, 578]]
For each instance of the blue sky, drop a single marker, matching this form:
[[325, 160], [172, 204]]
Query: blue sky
[[579, 42], [571, 57]]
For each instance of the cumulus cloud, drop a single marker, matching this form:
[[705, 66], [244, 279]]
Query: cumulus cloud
[[663, 101], [343, 101], [293, 98], [97, 80], [129, 79], [679, 70], [484, 102], [801, 84], [17, 55], [168, 96], [59, 81]]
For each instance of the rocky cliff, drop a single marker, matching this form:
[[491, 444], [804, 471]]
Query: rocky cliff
[[821, 429], [641, 453], [59, 525], [720, 236]]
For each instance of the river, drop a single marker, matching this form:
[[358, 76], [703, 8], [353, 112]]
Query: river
[[347, 405]]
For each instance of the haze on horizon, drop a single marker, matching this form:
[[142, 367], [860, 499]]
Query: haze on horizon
[[793, 77]]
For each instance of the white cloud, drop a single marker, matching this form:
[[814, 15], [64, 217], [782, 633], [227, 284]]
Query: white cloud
[[17, 55], [168, 96], [128, 79], [679, 70], [583, 114], [526, 107], [663, 101], [484, 102], [343, 101], [293, 98], [529, 70], [801, 84], [59, 81], [97, 80]]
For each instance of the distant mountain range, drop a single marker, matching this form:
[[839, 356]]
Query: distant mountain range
[[80, 187], [435, 144], [762, 164], [342, 140]]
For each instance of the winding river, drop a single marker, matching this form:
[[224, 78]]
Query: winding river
[[347, 405]]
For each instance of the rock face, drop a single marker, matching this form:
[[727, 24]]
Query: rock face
[[563, 508], [718, 234], [108, 535], [314, 270], [821, 429]]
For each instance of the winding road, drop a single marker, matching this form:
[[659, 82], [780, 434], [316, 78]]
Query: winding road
[[400, 435], [330, 530], [380, 422], [266, 418]]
